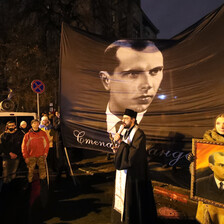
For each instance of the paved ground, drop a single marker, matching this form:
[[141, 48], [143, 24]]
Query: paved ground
[[90, 202]]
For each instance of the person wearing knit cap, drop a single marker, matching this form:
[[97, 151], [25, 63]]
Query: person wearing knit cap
[[23, 124], [46, 126], [133, 198], [23, 127]]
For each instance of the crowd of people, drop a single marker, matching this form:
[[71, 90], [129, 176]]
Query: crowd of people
[[42, 144], [30, 150], [33, 146]]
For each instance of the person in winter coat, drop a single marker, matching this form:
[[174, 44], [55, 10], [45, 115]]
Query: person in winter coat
[[206, 213], [59, 148], [46, 126], [35, 149], [23, 127], [11, 140]]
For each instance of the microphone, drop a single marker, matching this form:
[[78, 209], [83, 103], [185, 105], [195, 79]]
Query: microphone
[[121, 128]]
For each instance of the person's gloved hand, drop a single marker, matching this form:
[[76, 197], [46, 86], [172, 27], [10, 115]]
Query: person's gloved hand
[[190, 157]]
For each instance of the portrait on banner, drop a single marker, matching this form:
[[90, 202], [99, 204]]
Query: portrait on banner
[[100, 78], [208, 174], [132, 72]]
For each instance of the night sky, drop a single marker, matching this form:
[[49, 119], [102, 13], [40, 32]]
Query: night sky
[[173, 16]]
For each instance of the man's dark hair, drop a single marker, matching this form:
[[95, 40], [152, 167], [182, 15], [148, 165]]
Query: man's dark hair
[[211, 157], [10, 122], [35, 120], [110, 61]]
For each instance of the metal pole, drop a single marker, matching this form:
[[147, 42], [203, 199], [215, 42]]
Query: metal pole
[[70, 167], [38, 106], [47, 171]]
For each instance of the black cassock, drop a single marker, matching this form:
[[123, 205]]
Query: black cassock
[[139, 200]]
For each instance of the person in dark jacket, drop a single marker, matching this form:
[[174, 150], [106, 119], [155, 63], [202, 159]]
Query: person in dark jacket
[[59, 148], [206, 212], [23, 127], [11, 140], [133, 201]]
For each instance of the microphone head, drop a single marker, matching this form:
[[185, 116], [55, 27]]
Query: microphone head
[[121, 128]]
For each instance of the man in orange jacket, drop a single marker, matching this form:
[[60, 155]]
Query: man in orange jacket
[[35, 148]]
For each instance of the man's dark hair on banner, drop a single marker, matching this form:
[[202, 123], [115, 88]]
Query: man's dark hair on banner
[[181, 95], [132, 74]]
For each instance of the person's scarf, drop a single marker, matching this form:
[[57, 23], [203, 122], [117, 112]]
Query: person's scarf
[[213, 135]]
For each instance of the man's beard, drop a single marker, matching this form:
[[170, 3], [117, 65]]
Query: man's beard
[[127, 126]]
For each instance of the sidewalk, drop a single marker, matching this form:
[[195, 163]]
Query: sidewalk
[[173, 202], [90, 201]]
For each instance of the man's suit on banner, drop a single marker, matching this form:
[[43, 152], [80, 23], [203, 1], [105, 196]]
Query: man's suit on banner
[[206, 187]]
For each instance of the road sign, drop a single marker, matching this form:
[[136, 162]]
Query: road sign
[[37, 86]]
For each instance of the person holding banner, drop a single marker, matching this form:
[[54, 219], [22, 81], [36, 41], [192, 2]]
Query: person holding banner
[[132, 73], [59, 147], [207, 213], [133, 199]]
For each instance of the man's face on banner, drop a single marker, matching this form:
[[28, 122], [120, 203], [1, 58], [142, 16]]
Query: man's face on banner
[[218, 167], [135, 80]]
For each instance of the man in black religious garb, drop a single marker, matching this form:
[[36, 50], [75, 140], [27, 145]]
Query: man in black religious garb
[[59, 148], [211, 187], [132, 72], [133, 200]]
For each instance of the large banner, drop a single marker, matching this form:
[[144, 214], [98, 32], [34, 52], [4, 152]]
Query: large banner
[[176, 86]]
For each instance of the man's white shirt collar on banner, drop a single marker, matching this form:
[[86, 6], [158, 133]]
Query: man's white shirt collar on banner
[[218, 183]]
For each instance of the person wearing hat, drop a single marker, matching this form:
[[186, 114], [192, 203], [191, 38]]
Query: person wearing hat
[[23, 127], [133, 199], [46, 126]]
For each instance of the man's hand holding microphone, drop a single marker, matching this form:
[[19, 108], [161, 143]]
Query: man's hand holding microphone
[[117, 137]]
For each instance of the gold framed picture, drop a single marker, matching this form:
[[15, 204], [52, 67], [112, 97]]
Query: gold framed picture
[[207, 179]]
